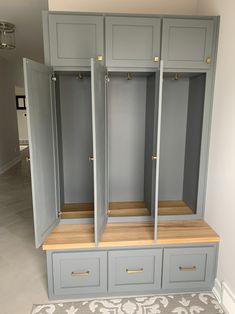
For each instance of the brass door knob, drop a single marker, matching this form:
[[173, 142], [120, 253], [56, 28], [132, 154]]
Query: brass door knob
[[100, 58], [156, 59], [208, 60]]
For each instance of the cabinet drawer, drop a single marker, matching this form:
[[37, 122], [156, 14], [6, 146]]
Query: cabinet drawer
[[188, 267], [136, 270], [75, 39], [79, 273]]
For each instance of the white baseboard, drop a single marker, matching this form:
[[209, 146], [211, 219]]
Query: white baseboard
[[9, 164], [225, 296]]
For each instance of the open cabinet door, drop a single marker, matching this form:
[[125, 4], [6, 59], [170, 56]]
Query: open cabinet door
[[99, 146], [43, 147], [156, 146]]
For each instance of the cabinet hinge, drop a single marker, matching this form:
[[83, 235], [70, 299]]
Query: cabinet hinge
[[107, 78], [53, 77]]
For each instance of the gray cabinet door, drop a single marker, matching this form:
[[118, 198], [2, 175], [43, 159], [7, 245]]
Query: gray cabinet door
[[99, 146], [156, 144], [187, 43], [43, 147], [132, 41], [75, 39]]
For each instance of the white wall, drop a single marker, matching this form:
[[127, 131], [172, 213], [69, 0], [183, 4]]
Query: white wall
[[126, 6], [9, 143], [220, 201]]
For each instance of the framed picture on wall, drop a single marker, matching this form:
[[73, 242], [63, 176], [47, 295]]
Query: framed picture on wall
[[20, 103]]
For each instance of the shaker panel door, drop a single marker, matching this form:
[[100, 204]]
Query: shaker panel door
[[132, 41], [156, 146], [75, 39], [99, 146], [187, 43], [43, 147]]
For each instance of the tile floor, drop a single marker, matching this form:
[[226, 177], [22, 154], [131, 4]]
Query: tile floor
[[22, 266]]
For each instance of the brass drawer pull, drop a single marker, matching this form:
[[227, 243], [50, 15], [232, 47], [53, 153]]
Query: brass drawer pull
[[80, 273], [194, 268], [135, 271]]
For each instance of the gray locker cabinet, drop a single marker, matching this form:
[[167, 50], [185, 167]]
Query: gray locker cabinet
[[187, 43], [132, 41], [75, 39]]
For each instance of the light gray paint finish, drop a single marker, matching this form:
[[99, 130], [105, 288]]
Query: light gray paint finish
[[157, 132], [139, 36], [74, 39], [173, 136], [193, 140], [187, 43], [9, 140], [59, 139], [65, 264], [131, 253], [43, 147], [148, 261], [203, 259], [126, 138], [99, 146], [46, 39], [149, 164], [205, 142], [76, 129]]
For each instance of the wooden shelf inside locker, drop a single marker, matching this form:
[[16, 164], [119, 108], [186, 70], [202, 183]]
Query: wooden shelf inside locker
[[77, 210], [128, 209], [173, 208]]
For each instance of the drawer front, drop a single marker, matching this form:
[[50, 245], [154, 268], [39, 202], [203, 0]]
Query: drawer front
[[79, 273], [135, 270], [188, 267]]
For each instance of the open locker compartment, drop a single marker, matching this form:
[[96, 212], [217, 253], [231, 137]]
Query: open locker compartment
[[82, 142], [180, 143], [74, 116], [132, 108]]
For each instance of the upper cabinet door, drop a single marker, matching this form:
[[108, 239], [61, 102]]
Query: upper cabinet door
[[187, 43], [43, 147], [75, 39], [99, 146], [132, 41]]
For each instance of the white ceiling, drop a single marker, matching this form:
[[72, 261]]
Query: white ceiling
[[27, 17]]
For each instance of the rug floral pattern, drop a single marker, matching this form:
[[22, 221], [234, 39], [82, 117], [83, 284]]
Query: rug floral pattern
[[194, 303]]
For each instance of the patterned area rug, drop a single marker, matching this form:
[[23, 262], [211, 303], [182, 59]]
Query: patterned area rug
[[156, 304]]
